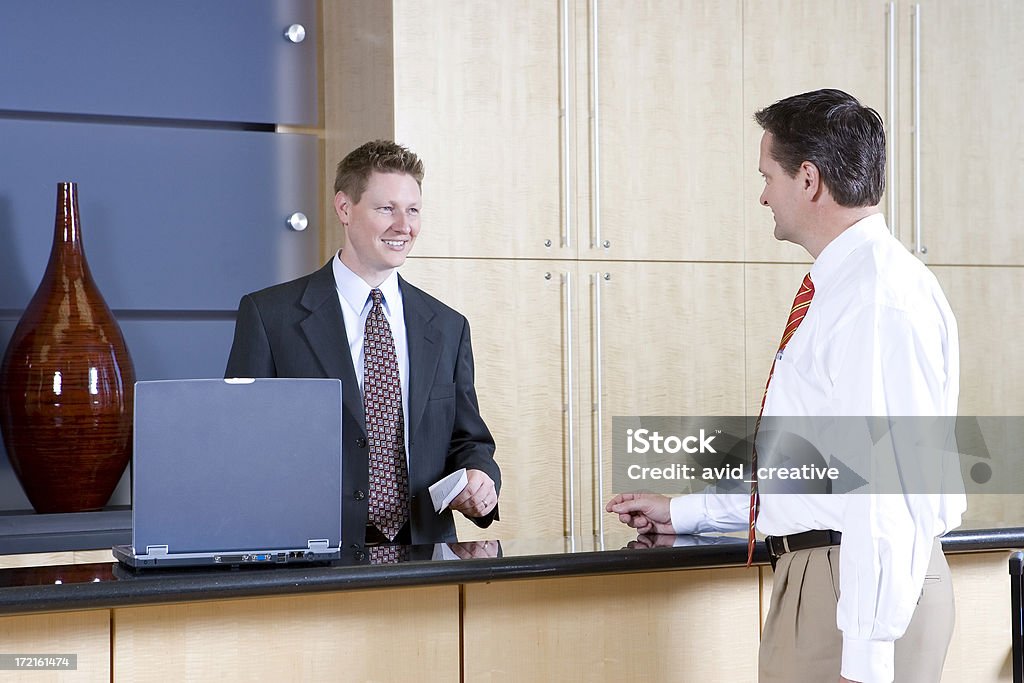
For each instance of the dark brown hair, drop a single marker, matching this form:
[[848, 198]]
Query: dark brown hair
[[836, 133]]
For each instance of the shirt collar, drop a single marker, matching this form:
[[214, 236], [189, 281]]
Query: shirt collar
[[868, 229], [356, 292]]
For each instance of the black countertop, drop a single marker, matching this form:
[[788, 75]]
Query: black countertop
[[108, 584]]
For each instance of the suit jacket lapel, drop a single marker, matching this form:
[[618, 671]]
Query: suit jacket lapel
[[424, 341], [326, 334]]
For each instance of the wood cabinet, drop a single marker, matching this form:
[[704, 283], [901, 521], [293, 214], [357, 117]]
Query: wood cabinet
[[611, 145], [666, 117], [561, 347], [553, 129], [485, 107], [794, 46], [524, 327], [971, 104]]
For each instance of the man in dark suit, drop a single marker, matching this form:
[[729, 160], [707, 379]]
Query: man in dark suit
[[404, 358]]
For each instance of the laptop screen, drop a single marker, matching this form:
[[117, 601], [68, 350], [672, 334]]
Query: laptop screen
[[225, 465]]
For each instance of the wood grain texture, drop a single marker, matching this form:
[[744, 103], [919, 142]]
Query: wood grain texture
[[682, 625], [671, 344], [980, 650], [358, 89], [482, 110], [517, 316], [390, 635], [794, 46], [86, 634], [670, 79], [972, 101]]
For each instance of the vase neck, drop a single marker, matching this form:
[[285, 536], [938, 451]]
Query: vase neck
[[67, 230]]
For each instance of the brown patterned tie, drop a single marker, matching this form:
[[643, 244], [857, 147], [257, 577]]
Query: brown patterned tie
[[801, 303], [388, 554], [385, 426]]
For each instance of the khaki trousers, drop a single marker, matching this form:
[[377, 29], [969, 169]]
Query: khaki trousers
[[802, 643]]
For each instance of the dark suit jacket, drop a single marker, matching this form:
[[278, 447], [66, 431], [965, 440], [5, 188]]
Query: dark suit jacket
[[296, 329]]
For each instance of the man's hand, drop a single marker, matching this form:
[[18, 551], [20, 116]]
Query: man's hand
[[479, 496], [469, 550], [648, 513], [645, 541]]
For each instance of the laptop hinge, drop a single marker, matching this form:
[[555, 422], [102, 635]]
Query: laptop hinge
[[156, 550], [319, 544]]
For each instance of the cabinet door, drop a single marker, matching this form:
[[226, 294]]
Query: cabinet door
[[172, 218], [989, 307], [668, 155], [972, 103], [482, 108], [665, 339], [794, 46], [521, 320], [222, 61]]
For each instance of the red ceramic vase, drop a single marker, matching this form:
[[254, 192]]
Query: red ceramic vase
[[67, 382]]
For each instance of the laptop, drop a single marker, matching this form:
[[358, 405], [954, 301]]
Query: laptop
[[235, 472]]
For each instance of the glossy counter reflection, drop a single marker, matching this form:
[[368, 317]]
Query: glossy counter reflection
[[108, 585]]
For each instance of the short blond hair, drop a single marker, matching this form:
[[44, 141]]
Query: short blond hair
[[383, 156]]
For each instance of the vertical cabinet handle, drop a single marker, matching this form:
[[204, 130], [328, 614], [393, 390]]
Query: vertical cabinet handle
[[566, 131], [598, 420], [595, 130], [919, 247], [891, 103], [570, 410]]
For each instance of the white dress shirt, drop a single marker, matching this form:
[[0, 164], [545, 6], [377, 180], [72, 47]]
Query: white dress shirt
[[878, 339], [354, 295]]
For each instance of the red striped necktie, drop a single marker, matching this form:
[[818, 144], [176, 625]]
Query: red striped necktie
[[801, 303]]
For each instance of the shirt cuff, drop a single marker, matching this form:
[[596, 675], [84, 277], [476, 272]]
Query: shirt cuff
[[868, 661], [687, 512]]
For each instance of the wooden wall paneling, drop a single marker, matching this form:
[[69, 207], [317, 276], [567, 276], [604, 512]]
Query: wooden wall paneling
[[980, 650], [671, 344], [517, 314], [790, 47], [388, 635], [670, 111], [85, 634], [358, 92], [681, 625], [484, 114], [972, 101]]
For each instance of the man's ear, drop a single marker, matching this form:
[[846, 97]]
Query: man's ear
[[343, 207], [810, 179]]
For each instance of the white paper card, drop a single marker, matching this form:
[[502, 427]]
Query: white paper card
[[444, 491]]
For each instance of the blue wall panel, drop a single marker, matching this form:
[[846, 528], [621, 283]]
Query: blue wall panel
[[226, 60], [171, 218]]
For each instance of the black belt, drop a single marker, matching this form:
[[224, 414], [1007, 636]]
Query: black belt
[[819, 538]]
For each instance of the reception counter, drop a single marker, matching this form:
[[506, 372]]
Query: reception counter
[[561, 609]]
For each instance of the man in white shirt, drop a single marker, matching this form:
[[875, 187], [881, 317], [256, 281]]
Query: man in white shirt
[[861, 588]]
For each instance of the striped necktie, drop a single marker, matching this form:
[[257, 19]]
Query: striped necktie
[[801, 303]]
